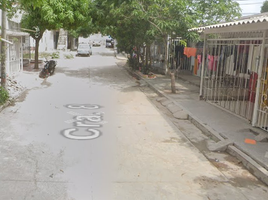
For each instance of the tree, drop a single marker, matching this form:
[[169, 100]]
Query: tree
[[162, 17], [3, 46], [131, 31], [52, 15], [159, 18], [134, 22], [87, 27], [264, 7]]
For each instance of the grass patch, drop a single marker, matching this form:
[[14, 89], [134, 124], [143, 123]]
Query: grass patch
[[44, 55], [3, 95], [54, 55]]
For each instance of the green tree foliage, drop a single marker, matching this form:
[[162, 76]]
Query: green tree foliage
[[92, 21], [167, 15], [134, 22], [213, 11], [8, 5], [44, 15], [129, 28], [264, 7]]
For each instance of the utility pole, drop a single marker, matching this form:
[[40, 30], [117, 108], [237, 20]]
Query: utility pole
[[3, 46]]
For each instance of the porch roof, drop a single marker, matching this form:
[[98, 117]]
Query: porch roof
[[247, 21], [16, 33]]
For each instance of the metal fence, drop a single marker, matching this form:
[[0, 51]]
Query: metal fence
[[231, 73]]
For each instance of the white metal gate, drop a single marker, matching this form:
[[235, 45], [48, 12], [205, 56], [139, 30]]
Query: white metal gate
[[15, 57], [263, 101], [231, 72]]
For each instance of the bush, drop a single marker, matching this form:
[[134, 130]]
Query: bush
[[145, 69], [55, 55], [133, 63], [3, 95], [68, 56], [44, 55]]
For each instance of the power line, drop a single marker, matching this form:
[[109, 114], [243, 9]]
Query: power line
[[244, 4], [249, 0]]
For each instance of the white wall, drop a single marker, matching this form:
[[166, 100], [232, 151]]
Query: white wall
[[0, 17], [46, 43], [84, 40]]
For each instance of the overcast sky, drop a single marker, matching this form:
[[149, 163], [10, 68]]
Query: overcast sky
[[250, 6]]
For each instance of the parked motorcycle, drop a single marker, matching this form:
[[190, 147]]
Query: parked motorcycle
[[48, 69]]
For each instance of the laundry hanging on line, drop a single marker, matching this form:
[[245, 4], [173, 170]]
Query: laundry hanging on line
[[189, 51], [199, 58]]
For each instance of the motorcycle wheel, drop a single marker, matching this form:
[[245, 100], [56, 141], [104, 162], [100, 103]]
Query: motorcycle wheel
[[52, 70], [42, 74]]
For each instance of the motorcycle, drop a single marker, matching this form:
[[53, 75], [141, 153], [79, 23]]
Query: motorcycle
[[48, 69]]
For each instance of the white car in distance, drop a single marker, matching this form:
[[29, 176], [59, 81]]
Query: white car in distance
[[84, 50]]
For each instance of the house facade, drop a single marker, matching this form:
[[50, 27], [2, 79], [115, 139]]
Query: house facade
[[234, 72], [19, 48], [55, 40], [48, 43]]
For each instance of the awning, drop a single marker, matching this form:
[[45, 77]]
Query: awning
[[259, 18], [16, 33]]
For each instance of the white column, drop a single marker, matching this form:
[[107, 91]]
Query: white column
[[257, 96], [62, 41], [8, 57], [21, 53], [203, 67]]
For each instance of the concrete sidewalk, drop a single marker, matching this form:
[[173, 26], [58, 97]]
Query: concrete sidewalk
[[228, 130], [121, 55]]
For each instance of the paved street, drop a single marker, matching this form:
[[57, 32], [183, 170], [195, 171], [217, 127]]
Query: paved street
[[93, 132]]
